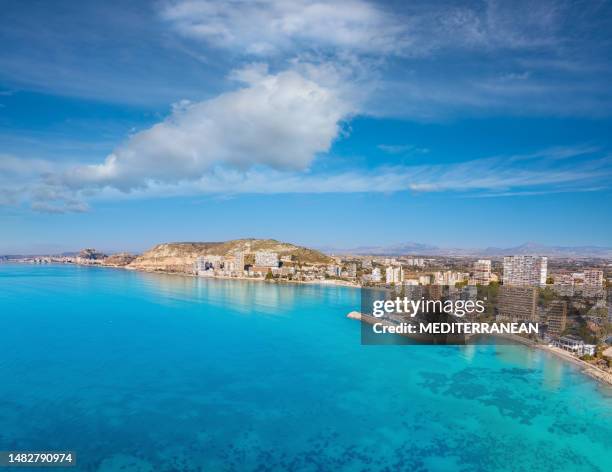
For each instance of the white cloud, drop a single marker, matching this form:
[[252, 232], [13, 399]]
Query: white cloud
[[277, 27], [281, 121], [30, 181], [67, 206], [536, 172], [402, 149], [423, 60], [546, 171], [260, 27]]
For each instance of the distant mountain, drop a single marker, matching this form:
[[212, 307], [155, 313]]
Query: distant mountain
[[529, 248], [395, 249], [551, 251]]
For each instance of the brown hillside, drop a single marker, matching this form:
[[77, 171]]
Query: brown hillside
[[180, 257]]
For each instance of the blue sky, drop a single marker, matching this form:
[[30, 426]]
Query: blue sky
[[463, 124]]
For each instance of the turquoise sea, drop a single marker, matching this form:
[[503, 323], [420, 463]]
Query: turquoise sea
[[147, 372]]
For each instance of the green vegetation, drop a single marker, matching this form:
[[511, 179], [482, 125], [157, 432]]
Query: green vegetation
[[489, 293], [547, 295]]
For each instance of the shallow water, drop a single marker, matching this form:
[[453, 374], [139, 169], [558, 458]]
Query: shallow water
[[140, 372]]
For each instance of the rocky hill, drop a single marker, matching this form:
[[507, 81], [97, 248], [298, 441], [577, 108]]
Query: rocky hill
[[180, 257], [119, 260]]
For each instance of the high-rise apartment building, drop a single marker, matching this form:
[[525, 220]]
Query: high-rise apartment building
[[482, 272], [525, 270], [554, 315], [394, 275], [238, 262], [517, 304], [593, 278], [593, 283], [564, 284]]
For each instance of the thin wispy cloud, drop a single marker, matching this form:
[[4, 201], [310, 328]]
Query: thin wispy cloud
[[402, 149], [539, 173]]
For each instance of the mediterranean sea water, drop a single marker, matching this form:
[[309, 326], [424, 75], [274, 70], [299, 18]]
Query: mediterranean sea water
[[148, 372]]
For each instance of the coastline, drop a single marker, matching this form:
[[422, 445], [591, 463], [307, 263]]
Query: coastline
[[338, 283], [590, 370], [586, 368], [327, 282]]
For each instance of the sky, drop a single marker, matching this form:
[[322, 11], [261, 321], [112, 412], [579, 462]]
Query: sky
[[328, 124]]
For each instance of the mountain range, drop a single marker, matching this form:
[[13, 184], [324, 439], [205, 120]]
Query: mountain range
[[529, 248]]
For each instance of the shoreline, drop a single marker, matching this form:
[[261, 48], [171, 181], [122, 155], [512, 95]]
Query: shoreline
[[585, 367], [595, 373], [335, 283], [327, 282]]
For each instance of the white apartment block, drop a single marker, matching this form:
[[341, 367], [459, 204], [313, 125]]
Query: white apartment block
[[482, 272], [394, 275], [333, 270], [593, 278], [266, 259], [234, 264], [525, 270], [564, 284], [448, 277], [416, 262], [206, 265]]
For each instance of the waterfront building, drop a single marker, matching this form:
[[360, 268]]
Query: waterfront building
[[233, 264], [555, 317], [206, 265], [376, 275], [266, 259], [525, 270], [575, 345], [482, 272], [285, 271], [517, 304], [239, 262]]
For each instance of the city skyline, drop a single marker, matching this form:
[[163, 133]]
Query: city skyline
[[454, 124]]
